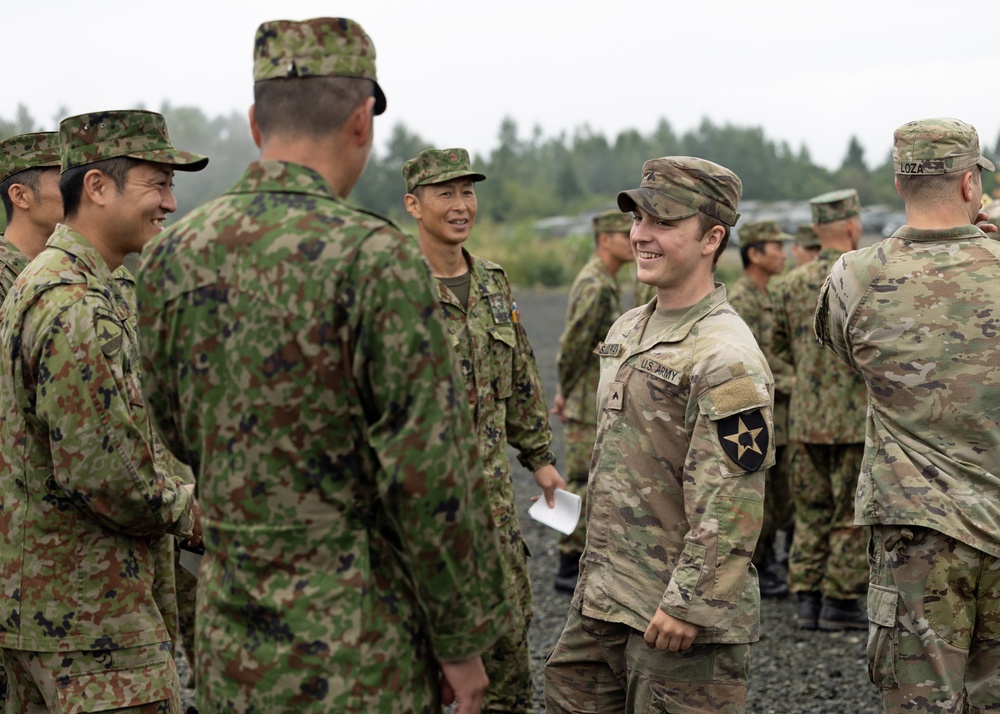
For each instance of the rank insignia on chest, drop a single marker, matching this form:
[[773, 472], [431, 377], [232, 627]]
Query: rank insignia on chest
[[608, 349], [500, 309], [616, 395], [109, 335], [745, 438]]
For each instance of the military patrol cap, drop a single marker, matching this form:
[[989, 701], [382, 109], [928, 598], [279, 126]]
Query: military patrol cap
[[437, 166], [138, 134], [612, 221], [936, 146], [676, 187], [762, 232], [835, 206], [28, 151], [805, 237], [321, 47]]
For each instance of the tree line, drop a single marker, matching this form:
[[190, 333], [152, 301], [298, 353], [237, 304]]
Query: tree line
[[536, 176]]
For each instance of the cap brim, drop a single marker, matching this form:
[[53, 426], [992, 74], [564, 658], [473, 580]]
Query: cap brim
[[654, 203], [452, 175], [986, 163], [179, 160]]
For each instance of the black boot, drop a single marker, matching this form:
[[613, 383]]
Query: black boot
[[569, 570], [809, 606], [772, 583], [842, 615]]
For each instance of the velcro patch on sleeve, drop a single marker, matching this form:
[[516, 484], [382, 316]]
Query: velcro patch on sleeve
[[735, 395]]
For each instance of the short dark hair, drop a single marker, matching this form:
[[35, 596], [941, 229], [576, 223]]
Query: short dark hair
[[745, 251], [310, 106], [71, 181], [707, 223], [29, 178], [928, 188]]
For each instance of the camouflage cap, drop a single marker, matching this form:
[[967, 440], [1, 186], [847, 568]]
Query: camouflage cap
[[676, 187], [805, 237], [936, 146], [28, 151], [321, 47], [835, 206], [138, 134], [762, 232], [612, 221], [437, 166]]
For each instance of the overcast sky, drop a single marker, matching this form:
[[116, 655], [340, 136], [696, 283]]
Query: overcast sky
[[808, 72]]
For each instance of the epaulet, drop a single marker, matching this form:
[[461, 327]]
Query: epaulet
[[490, 265], [379, 216]]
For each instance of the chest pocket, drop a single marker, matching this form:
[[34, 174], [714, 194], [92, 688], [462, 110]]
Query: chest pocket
[[503, 340]]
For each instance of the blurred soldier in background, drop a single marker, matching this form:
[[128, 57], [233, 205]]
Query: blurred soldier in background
[[593, 306], [826, 567]]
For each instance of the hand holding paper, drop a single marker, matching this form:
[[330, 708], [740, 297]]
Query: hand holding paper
[[563, 517]]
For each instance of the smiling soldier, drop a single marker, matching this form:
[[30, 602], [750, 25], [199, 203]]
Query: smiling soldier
[[667, 602]]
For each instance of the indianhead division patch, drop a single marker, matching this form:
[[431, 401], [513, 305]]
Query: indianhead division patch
[[745, 438]]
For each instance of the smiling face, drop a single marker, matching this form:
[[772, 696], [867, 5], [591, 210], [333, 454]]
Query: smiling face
[[136, 213], [445, 212]]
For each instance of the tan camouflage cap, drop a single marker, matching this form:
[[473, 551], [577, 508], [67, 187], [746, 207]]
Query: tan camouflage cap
[[805, 237], [613, 221], [936, 146], [28, 151], [321, 47], [762, 232], [437, 166], [676, 187], [835, 206], [86, 138]]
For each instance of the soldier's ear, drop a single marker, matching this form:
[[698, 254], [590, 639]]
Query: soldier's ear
[[18, 195], [254, 129]]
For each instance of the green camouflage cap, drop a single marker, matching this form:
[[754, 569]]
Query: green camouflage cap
[[936, 146], [138, 134], [321, 47], [613, 221], [805, 237], [762, 232], [28, 151], [835, 206], [437, 166], [676, 187]]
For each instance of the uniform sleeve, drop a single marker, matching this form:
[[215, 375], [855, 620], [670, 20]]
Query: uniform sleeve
[[829, 322], [778, 361], [731, 447], [585, 326], [88, 396], [431, 481], [528, 428]]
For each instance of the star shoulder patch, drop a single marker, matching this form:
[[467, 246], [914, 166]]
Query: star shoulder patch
[[745, 438]]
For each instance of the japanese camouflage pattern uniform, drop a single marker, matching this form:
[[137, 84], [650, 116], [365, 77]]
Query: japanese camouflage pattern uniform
[[915, 315], [24, 151], [186, 585], [827, 415], [676, 493], [89, 606], [295, 358], [593, 306], [754, 306], [504, 392]]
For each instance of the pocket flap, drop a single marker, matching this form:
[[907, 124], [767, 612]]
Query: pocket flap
[[882, 604]]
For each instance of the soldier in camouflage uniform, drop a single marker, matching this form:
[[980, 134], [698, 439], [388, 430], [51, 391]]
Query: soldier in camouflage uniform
[[89, 611], [806, 245], [502, 386], [826, 566], [296, 359], [667, 604], [29, 189], [916, 315], [762, 251], [593, 306]]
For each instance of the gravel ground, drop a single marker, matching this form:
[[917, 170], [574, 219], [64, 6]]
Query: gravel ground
[[792, 671]]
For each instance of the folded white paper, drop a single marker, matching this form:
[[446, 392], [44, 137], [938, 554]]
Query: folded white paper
[[563, 517]]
